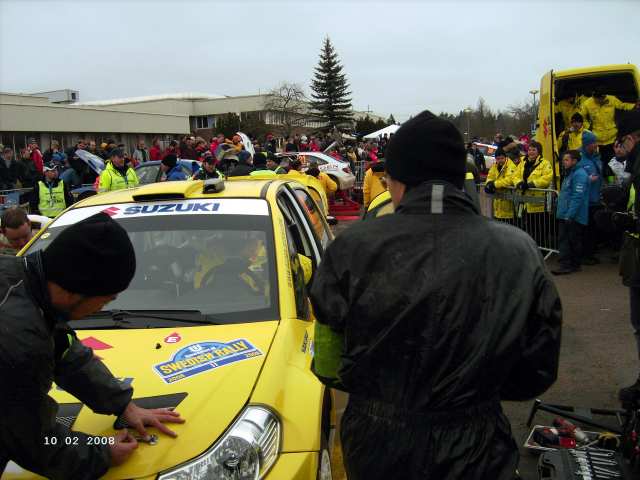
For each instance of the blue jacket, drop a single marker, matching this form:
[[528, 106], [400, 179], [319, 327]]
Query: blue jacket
[[176, 173], [593, 166], [573, 203]]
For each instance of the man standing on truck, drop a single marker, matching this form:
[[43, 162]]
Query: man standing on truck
[[600, 111]]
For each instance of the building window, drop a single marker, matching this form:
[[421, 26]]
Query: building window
[[202, 122]]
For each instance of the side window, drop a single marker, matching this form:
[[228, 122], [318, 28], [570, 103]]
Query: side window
[[148, 174], [295, 245], [315, 215]]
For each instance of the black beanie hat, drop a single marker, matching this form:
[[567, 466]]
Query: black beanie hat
[[170, 160], [103, 250], [426, 148], [260, 160]]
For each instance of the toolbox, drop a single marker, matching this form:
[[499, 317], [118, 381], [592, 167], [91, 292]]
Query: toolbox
[[588, 464]]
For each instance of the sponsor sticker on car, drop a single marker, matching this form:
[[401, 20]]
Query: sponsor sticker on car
[[203, 206], [201, 357]]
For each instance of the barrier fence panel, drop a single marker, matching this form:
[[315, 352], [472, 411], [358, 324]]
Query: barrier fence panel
[[532, 211]]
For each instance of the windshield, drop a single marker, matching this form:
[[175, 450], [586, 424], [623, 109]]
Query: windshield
[[219, 265]]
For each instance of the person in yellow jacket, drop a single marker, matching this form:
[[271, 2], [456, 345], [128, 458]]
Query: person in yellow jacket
[[295, 169], [117, 175], [373, 184], [568, 107], [600, 110], [571, 138], [499, 179], [534, 172], [330, 187], [51, 196]]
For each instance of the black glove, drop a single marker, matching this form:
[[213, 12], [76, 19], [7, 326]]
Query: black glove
[[490, 187]]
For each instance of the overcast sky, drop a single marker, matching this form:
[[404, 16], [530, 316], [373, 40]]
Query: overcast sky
[[399, 57]]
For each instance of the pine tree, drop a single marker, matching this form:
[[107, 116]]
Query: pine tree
[[391, 120], [331, 96]]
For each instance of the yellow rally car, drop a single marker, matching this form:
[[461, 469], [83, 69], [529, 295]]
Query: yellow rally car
[[217, 324]]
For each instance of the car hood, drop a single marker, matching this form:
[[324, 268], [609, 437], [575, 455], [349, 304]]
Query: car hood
[[207, 373]]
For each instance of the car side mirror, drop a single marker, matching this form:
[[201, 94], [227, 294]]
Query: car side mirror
[[332, 220], [307, 268]]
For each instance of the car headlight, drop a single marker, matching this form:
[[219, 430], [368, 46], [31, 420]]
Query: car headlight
[[246, 452]]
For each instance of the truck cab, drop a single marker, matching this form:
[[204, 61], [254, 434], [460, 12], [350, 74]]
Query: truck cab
[[622, 81]]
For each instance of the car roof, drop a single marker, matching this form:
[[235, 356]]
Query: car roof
[[158, 162], [187, 189], [321, 155]]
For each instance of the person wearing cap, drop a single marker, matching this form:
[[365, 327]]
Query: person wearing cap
[[372, 185], [244, 166], [571, 138], [273, 163], [39, 294], [591, 162], [171, 170], [629, 141], [50, 195], [499, 180], [208, 169], [260, 166], [600, 112], [416, 319], [117, 175]]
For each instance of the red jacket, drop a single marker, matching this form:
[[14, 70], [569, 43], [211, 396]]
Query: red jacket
[[214, 145], [155, 153], [36, 158]]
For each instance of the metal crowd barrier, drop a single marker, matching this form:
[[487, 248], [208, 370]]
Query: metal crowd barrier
[[359, 170], [512, 206]]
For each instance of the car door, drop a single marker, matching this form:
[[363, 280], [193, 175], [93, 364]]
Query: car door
[[314, 215], [301, 240]]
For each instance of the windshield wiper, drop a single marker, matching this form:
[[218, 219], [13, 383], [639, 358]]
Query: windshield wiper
[[120, 317]]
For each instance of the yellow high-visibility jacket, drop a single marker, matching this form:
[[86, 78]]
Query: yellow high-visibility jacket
[[372, 186], [602, 117], [541, 177], [575, 139], [329, 185], [502, 178], [567, 109], [111, 179]]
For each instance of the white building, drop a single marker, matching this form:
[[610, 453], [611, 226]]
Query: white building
[[54, 115]]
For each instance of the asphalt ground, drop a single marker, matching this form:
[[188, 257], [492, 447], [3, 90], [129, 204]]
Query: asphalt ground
[[598, 354]]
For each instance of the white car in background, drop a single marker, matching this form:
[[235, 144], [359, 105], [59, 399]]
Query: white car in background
[[489, 152], [339, 171]]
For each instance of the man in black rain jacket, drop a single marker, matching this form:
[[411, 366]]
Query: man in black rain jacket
[[429, 317], [38, 294]]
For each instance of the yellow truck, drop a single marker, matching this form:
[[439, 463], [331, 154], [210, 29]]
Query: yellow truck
[[621, 81]]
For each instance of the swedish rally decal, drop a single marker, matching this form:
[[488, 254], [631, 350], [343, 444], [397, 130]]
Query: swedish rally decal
[[203, 356]]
